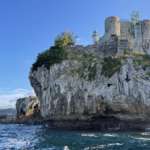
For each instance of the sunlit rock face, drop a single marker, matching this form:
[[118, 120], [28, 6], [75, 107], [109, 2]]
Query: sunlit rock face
[[82, 89], [27, 106]]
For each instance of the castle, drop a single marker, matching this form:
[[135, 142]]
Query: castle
[[121, 35]]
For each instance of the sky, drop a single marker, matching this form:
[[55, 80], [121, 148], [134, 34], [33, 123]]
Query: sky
[[28, 27]]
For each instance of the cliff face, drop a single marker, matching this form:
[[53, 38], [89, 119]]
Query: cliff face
[[87, 86]]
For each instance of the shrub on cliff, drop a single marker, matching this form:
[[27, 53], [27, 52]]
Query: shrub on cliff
[[65, 39], [142, 60], [49, 57], [110, 66], [55, 54]]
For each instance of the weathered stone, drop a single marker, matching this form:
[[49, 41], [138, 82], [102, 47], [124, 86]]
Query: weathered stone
[[66, 95], [27, 106]]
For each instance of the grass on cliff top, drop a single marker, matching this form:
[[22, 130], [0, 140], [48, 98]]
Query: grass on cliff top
[[49, 57], [110, 66]]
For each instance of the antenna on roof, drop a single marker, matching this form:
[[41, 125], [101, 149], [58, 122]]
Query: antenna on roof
[[135, 17]]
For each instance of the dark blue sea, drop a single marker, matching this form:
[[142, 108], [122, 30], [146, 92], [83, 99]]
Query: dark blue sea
[[27, 137]]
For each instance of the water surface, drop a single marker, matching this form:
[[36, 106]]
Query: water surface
[[24, 137]]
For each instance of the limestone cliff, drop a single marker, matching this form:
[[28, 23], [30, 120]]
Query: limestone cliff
[[86, 86]]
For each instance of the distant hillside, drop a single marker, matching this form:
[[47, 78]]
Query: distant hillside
[[7, 112]]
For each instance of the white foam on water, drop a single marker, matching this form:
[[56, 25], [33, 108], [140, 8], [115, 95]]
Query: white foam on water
[[53, 148], [141, 138], [95, 147], [103, 146], [115, 144], [145, 133], [110, 135], [89, 135], [17, 143]]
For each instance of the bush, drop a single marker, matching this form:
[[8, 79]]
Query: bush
[[49, 57], [65, 39], [143, 60], [110, 66], [56, 53]]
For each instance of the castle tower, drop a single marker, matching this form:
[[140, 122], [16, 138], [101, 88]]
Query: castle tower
[[95, 37], [112, 26]]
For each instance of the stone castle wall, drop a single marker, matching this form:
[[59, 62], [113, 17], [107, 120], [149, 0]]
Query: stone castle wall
[[134, 37]]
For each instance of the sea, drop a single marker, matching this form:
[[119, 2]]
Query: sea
[[38, 137]]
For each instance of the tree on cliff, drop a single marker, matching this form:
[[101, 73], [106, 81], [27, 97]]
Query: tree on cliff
[[56, 53], [65, 39]]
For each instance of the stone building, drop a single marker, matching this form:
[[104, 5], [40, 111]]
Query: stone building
[[121, 35]]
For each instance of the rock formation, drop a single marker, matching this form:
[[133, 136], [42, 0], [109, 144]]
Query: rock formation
[[89, 86], [27, 107], [94, 82]]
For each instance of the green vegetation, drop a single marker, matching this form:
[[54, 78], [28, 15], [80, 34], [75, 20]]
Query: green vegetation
[[92, 72], [88, 65], [143, 60], [49, 57], [56, 53], [148, 74], [65, 39], [139, 58], [88, 68], [110, 66], [135, 53], [127, 52]]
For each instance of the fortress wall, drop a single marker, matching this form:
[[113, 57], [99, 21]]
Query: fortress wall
[[112, 26], [146, 36], [134, 37], [138, 31], [125, 30], [109, 48], [146, 29]]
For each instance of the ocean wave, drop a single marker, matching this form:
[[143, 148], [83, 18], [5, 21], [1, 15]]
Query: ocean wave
[[89, 135], [141, 138], [115, 144], [110, 135], [11, 142], [145, 133], [95, 147], [102, 146]]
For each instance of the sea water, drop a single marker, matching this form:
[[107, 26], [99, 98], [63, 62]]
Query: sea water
[[28, 137]]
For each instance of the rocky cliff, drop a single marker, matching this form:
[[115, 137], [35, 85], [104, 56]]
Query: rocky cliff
[[86, 86]]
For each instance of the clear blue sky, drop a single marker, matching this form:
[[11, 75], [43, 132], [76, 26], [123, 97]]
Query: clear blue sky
[[27, 27]]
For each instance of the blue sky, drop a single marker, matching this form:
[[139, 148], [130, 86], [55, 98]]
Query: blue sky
[[27, 27]]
